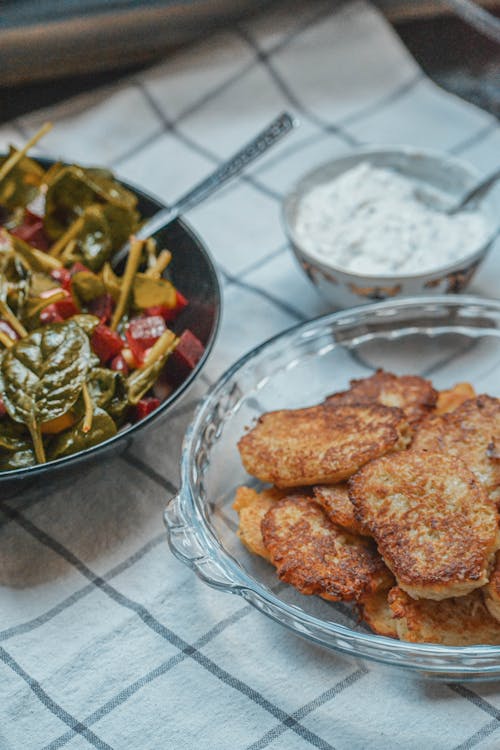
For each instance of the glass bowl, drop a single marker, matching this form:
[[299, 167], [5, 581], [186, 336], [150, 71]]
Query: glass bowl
[[445, 338], [449, 176], [193, 271]]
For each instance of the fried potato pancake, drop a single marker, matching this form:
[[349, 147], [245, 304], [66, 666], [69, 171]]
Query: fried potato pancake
[[334, 499], [375, 611], [434, 524], [452, 398], [414, 395], [317, 557], [251, 507], [320, 444], [491, 592], [470, 432], [460, 621]]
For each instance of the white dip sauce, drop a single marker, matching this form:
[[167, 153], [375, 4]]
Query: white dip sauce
[[371, 221]]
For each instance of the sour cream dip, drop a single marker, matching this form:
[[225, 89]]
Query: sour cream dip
[[372, 221]]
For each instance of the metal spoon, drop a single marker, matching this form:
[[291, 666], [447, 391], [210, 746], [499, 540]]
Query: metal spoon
[[478, 190], [232, 167]]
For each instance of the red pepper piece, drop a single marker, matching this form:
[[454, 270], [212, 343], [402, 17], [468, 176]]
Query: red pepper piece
[[145, 407], [169, 313], [184, 358], [3, 410], [142, 333], [105, 343], [119, 364], [58, 311], [32, 231], [63, 277], [102, 307]]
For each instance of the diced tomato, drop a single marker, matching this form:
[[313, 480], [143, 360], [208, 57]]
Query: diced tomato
[[169, 313], [119, 364], [63, 276], [58, 311], [142, 333], [3, 410], [32, 231], [145, 407], [184, 358], [102, 307], [105, 343], [7, 328]]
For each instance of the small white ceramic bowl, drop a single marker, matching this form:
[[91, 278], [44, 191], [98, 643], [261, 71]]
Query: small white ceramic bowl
[[344, 288]]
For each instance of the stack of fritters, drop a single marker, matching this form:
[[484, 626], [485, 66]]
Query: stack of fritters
[[384, 495]]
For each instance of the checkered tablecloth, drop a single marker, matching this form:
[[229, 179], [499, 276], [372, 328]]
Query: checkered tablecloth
[[106, 640]]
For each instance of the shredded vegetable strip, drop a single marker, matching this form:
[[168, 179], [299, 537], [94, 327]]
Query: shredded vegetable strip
[[162, 261], [89, 410], [36, 437], [5, 339], [166, 343], [133, 261], [35, 259], [68, 235], [11, 319], [151, 251], [18, 155]]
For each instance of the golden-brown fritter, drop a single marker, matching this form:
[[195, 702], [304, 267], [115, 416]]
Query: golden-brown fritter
[[491, 592], [452, 398], [414, 395], [460, 621], [252, 506], [375, 611], [470, 432], [433, 523], [320, 444], [316, 557], [334, 499]]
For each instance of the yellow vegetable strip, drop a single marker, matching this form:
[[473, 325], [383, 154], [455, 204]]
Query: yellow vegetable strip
[[35, 259], [5, 339], [133, 261], [89, 410], [68, 235], [165, 344], [162, 261], [11, 319], [16, 157], [151, 251], [36, 437]]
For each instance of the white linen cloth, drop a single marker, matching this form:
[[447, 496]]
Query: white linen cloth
[[106, 640]]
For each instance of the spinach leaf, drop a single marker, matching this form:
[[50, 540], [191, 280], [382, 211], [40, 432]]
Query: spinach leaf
[[22, 183], [18, 459], [141, 380], [42, 375], [13, 436], [74, 439], [148, 292], [108, 390], [67, 197], [87, 286]]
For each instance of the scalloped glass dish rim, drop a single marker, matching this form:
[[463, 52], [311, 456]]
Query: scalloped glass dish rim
[[443, 660]]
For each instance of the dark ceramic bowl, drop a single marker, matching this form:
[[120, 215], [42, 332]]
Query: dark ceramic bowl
[[192, 270]]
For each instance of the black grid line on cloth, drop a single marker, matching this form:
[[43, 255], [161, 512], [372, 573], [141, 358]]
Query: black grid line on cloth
[[234, 78], [479, 736], [275, 301], [36, 622], [474, 139], [162, 630], [148, 470], [166, 666], [477, 700], [293, 100], [170, 127], [258, 264], [390, 98], [77, 726], [308, 708]]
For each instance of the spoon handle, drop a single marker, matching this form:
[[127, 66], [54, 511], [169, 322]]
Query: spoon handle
[[477, 190], [255, 148]]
